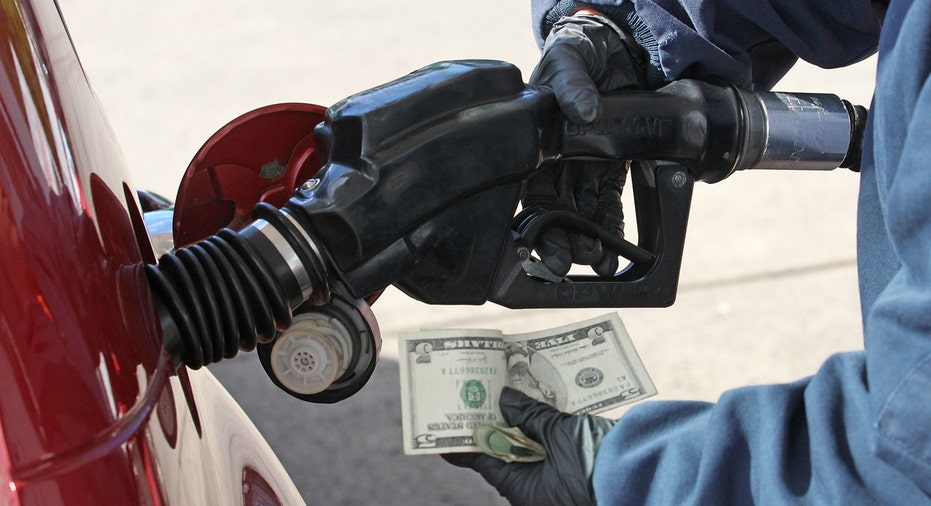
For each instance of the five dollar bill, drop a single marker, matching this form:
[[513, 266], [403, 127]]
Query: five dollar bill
[[451, 379]]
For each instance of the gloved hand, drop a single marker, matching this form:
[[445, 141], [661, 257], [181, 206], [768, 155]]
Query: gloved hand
[[584, 54], [565, 476]]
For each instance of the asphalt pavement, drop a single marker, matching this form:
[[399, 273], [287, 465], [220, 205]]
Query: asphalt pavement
[[768, 287]]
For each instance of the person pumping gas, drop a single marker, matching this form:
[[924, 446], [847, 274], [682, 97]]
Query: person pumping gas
[[856, 431]]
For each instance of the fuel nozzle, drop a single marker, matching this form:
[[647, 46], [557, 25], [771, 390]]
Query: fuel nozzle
[[421, 181]]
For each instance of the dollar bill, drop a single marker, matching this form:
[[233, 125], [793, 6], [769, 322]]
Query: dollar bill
[[508, 444], [451, 379]]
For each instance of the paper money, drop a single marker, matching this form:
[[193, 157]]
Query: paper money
[[508, 444], [451, 379]]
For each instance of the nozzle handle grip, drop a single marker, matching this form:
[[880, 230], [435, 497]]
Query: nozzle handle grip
[[714, 130]]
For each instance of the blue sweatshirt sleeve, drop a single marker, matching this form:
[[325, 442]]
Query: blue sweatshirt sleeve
[[751, 43], [807, 442]]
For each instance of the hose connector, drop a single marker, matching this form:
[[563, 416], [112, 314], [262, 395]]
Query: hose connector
[[234, 290]]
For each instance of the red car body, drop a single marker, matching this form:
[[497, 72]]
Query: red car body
[[92, 410]]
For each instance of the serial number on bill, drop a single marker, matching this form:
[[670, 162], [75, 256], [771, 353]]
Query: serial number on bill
[[469, 370]]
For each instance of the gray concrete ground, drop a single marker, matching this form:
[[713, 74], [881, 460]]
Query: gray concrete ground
[[768, 286]]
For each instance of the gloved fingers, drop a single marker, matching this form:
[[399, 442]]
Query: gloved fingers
[[577, 188], [615, 60], [536, 419], [545, 191], [621, 69], [612, 219], [555, 251], [565, 71], [571, 443], [517, 482], [581, 185], [612, 178], [586, 250], [591, 189], [542, 422], [582, 55], [540, 191], [608, 265]]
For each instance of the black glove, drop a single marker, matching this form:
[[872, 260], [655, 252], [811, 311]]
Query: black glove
[[565, 476], [583, 54], [591, 189]]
